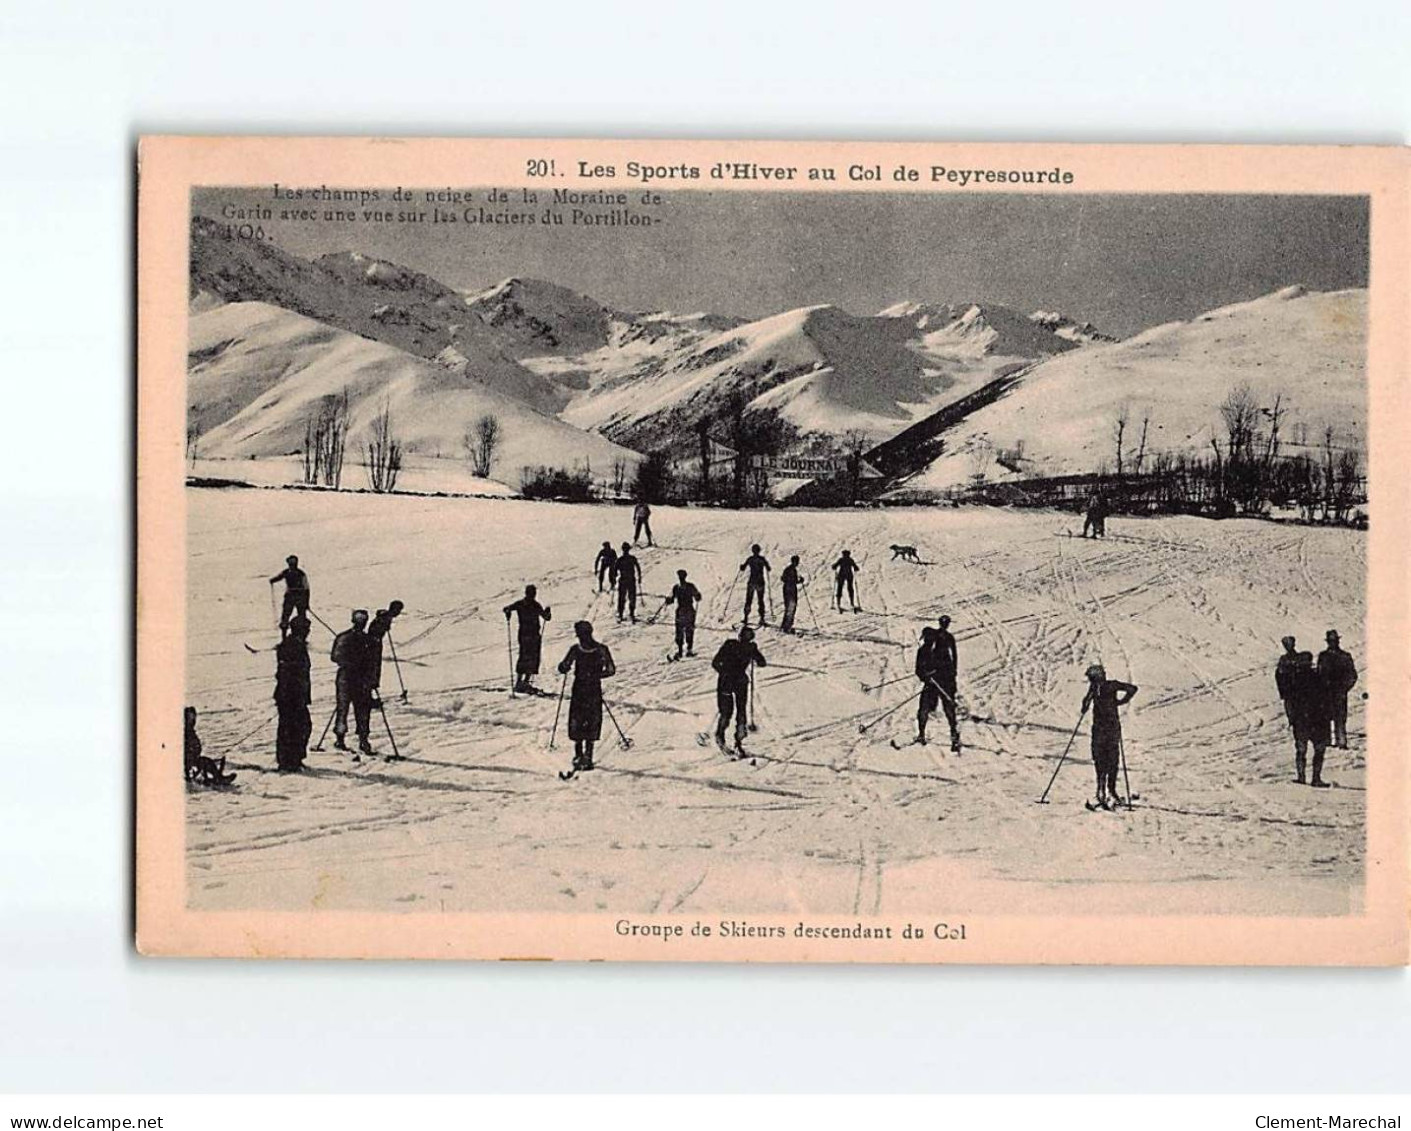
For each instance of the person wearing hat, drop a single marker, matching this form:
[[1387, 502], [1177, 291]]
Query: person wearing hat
[[531, 636], [791, 579], [291, 697], [379, 627], [352, 653], [1309, 696], [945, 665], [1283, 675], [605, 566], [591, 662], [685, 597], [296, 591], [1104, 696], [1339, 676], [758, 565], [629, 576], [732, 688]]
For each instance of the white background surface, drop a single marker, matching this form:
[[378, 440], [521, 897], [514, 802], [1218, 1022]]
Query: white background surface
[[79, 82]]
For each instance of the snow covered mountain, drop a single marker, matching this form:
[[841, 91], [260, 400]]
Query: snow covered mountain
[[1309, 347], [257, 371]]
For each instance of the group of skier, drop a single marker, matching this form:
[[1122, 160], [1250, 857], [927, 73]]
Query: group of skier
[[1315, 701], [1314, 694]]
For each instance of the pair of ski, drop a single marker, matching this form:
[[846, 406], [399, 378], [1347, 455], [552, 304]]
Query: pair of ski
[[739, 754], [954, 746], [673, 658], [1116, 806], [569, 775]]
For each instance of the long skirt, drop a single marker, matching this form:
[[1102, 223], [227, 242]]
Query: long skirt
[[528, 662], [291, 742], [585, 715]]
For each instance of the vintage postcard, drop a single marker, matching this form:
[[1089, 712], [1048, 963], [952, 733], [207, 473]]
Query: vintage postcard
[[772, 551]]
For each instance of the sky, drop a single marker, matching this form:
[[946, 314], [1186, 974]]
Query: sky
[[1123, 262]]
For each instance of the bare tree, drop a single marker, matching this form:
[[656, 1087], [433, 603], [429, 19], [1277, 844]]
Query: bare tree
[[619, 475], [1140, 460], [1240, 413], [325, 440], [855, 445], [482, 441], [703, 445], [384, 453], [1119, 430], [193, 441], [981, 456]]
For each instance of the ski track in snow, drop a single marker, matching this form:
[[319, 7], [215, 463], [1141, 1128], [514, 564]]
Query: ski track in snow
[[826, 819]]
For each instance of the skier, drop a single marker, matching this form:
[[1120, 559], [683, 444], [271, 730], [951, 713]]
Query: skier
[[198, 767], [291, 697], [685, 597], [641, 522], [1311, 719], [1105, 696], [930, 689], [1339, 676], [591, 663], [296, 591], [629, 576], [846, 569], [758, 565], [531, 636], [379, 627], [605, 566], [1283, 676], [732, 688], [352, 653], [791, 579], [944, 666]]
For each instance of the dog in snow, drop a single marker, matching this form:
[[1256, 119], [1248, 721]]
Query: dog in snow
[[905, 553]]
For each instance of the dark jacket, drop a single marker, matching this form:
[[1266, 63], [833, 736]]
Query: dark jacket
[[791, 580], [1337, 671], [685, 597], [733, 662], [354, 653], [291, 674]]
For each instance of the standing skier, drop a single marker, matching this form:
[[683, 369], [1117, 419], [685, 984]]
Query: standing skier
[[531, 636], [605, 566], [758, 565], [685, 597], [641, 522], [1311, 719], [292, 696], [591, 663], [732, 688], [629, 576], [352, 653], [791, 579], [1105, 696], [296, 591], [930, 690], [944, 665], [1283, 676], [1339, 676], [379, 628], [846, 569]]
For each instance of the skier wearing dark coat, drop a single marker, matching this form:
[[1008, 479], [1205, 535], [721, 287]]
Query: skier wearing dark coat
[[732, 688], [1104, 696], [685, 597], [352, 653], [936, 667], [1339, 675], [846, 569], [758, 565], [591, 663], [791, 579], [1283, 675], [641, 522], [531, 636], [379, 628], [1311, 719], [629, 576], [605, 566], [296, 591], [292, 697]]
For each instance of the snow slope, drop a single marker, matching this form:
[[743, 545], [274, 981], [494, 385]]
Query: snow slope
[[257, 371], [1309, 346], [830, 821]]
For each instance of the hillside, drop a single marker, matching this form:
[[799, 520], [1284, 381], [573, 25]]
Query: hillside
[[1308, 346], [256, 371], [819, 369]]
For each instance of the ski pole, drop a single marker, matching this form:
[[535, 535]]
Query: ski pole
[[752, 727], [234, 746], [554, 733], [322, 621], [809, 599], [273, 608], [626, 742], [885, 683], [397, 664], [325, 728], [865, 727], [1081, 716], [730, 595], [1122, 753], [653, 618], [509, 648], [383, 712]]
